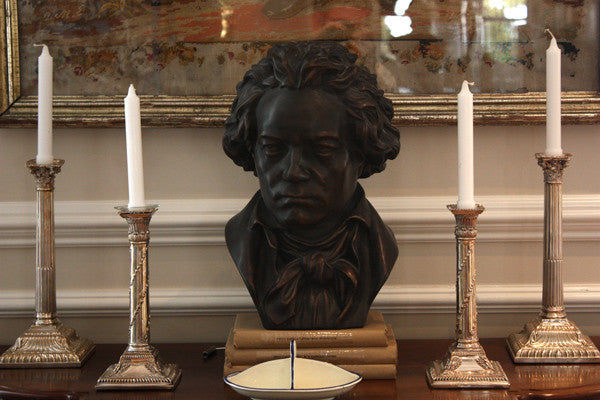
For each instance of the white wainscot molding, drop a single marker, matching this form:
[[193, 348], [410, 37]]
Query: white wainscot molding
[[393, 299], [201, 222]]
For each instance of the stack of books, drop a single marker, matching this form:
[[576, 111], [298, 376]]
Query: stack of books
[[370, 351]]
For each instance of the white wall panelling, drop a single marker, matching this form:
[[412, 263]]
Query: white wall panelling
[[402, 299], [201, 222]]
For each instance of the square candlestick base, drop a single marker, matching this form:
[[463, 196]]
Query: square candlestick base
[[48, 346], [140, 369], [553, 341], [466, 367]]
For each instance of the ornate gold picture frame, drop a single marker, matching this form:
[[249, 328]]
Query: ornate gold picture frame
[[185, 56]]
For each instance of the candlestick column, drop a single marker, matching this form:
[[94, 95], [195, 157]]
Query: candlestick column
[[45, 272], [466, 305], [551, 337], [47, 343], [139, 300], [552, 296]]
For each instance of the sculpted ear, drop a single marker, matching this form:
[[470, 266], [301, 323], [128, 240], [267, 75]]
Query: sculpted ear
[[359, 160], [251, 151]]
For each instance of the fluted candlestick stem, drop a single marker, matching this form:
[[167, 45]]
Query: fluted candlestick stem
[[552, 296], [45, 272]]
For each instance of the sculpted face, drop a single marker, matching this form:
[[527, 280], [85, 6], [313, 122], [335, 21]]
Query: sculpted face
[[306, 166]]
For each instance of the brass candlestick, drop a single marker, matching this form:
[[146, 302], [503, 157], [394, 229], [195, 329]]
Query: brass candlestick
[[465, 364], [551, 337], [140, 366], [47, 343]]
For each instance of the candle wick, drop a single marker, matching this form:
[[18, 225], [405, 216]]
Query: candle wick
[[549, 33]]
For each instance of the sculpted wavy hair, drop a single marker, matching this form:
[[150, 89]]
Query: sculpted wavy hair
[[327, 66]]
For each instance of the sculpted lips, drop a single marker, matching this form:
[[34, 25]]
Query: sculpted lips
[[288, 198]]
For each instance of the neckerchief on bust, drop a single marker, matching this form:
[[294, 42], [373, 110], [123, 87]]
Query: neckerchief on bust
[[317, 281]]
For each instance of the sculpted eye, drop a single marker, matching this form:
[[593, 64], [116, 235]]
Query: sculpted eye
[[270, 146], [271, 149], [326, 148]]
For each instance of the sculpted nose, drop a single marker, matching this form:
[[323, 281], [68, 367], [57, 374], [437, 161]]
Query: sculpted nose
[[294, 167]]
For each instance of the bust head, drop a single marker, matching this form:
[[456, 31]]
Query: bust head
[[306, 163], [309, 122]]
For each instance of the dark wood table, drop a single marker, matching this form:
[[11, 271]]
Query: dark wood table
[[202, 379]]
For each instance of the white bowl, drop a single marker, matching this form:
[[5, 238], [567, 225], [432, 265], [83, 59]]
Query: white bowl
[[312, 380]]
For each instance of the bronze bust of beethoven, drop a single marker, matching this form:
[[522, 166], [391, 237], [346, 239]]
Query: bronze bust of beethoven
[[311, 249]]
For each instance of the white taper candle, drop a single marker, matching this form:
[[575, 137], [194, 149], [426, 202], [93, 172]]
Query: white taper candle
[[44, 154], [465, 148], [135, 164], [553, 91]]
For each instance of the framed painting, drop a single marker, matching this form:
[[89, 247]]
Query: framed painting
[[186, 56]]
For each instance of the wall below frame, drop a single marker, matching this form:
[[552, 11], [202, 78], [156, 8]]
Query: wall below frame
[[195, 289]]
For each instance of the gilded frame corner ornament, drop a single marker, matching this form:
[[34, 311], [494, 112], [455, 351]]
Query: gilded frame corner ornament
[[16, 111]]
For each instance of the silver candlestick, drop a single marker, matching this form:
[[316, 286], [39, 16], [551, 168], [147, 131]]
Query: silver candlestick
[[47, 343], [140, 366], [551, 337], [466, 364]]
